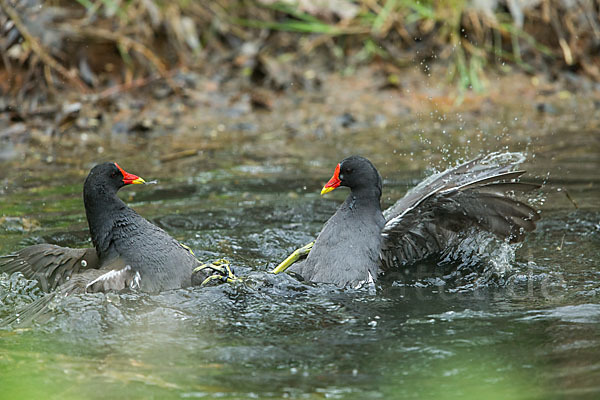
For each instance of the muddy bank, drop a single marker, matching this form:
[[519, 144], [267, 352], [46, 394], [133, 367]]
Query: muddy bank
[[211, 123]]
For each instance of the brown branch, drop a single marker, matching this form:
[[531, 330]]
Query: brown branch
[[562, 41], [39, 50]]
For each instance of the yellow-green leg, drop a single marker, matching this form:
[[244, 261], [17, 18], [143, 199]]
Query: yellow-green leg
[[292, 258]]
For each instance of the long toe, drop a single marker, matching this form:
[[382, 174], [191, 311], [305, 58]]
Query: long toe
[[215, 272]]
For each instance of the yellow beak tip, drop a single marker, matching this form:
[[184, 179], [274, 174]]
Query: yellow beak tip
[[326, 190], [138, 181]]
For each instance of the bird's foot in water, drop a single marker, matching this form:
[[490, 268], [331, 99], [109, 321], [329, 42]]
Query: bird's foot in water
[[292, 258], [216, 272]]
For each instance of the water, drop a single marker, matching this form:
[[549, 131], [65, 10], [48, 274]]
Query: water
[[523, 323]]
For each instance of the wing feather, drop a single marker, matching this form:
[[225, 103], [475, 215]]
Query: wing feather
[[49, 264], [434, 215]]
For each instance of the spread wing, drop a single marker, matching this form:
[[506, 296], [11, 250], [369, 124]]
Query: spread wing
[[49, 264], [432, 217]]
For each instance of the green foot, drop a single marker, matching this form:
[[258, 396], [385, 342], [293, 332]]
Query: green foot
[[223, 269]]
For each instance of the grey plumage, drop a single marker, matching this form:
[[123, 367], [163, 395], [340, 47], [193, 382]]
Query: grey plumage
[[359, 241], [50, 265], [121, 238], [434, 214], [129, 252], [346, 252], [337, 256]]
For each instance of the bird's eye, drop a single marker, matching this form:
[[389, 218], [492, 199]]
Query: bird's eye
[[113, 174]]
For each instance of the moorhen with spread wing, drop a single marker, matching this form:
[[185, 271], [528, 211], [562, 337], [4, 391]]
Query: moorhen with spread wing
[[129, 252], [359, 242]]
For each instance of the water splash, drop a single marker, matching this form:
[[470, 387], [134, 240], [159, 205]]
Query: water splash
[[16, 292]]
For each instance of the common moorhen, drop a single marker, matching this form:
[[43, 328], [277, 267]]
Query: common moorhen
[[359, 242], [129, 252]]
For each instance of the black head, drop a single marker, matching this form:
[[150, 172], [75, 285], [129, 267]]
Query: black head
[[109, 178], [357, 173]]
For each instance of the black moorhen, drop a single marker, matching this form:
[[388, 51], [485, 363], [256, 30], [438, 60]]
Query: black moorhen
[[359, 242], [129, 252]]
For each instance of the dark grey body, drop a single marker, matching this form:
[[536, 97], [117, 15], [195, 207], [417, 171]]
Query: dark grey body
[[122, 237], [346, 251], [358, 242]]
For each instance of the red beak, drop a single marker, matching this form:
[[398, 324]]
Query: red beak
[[128, 178], [333, 182]]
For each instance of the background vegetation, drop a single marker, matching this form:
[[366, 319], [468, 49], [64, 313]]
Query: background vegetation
[[92, 45]]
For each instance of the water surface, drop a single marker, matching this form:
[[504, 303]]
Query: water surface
[[523, 322]]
